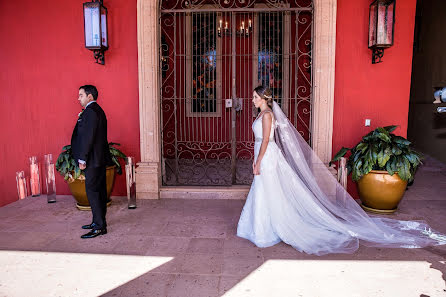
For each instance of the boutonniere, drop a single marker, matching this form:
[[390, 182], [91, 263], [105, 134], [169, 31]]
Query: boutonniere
[[79, 115]]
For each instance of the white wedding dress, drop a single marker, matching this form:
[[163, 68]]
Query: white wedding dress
[[295, 199]]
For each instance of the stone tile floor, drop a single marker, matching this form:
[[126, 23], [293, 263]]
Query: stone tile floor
[[179, 247]]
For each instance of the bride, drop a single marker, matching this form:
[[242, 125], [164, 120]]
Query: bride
[[295, 199]]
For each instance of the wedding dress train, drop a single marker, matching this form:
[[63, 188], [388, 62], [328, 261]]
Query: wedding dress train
[[297, 200]]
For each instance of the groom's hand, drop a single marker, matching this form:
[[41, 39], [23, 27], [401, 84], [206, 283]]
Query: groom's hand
[[82, 166]]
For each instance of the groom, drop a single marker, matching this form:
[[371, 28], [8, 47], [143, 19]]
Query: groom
[[90, 148]]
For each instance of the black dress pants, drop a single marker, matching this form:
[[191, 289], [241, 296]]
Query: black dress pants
[[95, 185]]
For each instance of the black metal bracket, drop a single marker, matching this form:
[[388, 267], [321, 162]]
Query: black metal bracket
[[224, 32], [99, 56], [243, 33], [377, 54]]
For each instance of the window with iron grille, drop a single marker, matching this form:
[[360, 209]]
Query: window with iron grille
[[204, 63]]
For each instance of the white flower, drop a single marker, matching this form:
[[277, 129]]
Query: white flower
[[79, 115]]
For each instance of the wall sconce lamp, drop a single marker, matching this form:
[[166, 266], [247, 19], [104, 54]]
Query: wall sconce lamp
[[223, 31], [381, 27], [244, 31], [95, 29]]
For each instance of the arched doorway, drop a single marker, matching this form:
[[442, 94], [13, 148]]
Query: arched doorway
[[210, 129]]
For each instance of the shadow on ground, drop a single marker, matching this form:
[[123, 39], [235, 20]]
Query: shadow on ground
[[175, 247]]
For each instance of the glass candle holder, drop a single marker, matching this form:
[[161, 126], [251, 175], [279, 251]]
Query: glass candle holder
[[21, 184], [130, 181], [342, 172], [50, 178], [34, 181]]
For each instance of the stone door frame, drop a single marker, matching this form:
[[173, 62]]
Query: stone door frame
[[148, 173]]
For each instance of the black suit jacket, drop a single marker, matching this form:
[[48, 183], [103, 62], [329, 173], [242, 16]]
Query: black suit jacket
[[89, 139]]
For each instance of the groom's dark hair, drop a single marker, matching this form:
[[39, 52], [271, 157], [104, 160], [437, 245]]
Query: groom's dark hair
[[90, 89]]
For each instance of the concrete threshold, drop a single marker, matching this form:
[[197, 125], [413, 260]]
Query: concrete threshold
[[195, 192]]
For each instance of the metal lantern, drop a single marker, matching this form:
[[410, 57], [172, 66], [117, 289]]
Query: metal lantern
[[95, 29], [381, 27]]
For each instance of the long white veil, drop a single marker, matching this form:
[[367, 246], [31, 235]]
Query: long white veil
[[337, 205]]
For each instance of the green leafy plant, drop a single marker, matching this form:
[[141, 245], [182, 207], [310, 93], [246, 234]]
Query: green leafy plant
[[381, 150], [69, 168]]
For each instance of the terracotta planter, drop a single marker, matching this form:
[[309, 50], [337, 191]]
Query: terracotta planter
[[381, 192], [77, 188]]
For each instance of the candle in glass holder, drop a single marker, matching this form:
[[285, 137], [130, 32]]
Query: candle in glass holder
[[21, 184], [50, 179], [130, 181], [34, 176]]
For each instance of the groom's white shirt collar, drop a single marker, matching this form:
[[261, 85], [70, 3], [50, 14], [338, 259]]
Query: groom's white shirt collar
[[89, 103]]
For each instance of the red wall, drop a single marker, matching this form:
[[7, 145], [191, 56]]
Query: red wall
[[43, 62], [363, 90]]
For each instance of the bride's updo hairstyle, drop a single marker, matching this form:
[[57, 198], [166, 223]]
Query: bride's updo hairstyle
[[265, 93]]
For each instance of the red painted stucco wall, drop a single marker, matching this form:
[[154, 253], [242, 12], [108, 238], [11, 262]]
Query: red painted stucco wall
[[363, 90], [43, 62]]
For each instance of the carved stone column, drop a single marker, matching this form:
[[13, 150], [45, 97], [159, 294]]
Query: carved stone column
[[324, 75], [148, 172]]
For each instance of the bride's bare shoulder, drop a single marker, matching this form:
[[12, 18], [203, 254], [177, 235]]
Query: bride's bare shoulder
[[267, 116]]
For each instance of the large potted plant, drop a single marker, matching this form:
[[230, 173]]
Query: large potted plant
[[382, 164], [74, 176]]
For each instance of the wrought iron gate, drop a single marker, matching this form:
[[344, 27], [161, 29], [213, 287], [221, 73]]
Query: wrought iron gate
[[213, 54]]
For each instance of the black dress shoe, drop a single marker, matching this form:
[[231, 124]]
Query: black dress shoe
[[91, 226], [94, 233]]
